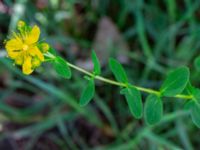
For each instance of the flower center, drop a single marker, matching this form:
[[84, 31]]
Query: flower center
[[25, 47]]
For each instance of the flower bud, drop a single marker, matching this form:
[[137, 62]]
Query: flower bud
[[44, 47], [35, 62], [20, 24]]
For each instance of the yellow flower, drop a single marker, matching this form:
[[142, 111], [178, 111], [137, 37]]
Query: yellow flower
[[23, 47]]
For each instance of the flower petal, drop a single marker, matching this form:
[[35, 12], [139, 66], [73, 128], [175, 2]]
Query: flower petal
[[36, 52], [14, 47], [19, 60], [33, 36], [27, 66]]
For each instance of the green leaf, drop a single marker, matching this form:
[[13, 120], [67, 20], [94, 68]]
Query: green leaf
[[61, 67], [88, 93], [175, 82], [195, 114], [189, 88], [118, 71], [188, 105], [195, 92], [134, 100], [97, 66], [153, 109], [52, 51], [197, 63]]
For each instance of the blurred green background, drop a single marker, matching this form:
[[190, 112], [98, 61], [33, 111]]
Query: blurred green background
[[149, 37]]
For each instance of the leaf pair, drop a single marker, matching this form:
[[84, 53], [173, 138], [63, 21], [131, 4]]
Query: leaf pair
[[61, 67], [89, 91], [132, 95], [174, 84]]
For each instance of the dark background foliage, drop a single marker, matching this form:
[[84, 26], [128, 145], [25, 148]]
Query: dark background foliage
[[149, 37]]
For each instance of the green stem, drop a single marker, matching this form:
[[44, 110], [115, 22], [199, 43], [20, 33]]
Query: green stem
[[147, 90]]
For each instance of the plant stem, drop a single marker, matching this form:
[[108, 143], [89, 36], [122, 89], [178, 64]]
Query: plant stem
[[147, 90]]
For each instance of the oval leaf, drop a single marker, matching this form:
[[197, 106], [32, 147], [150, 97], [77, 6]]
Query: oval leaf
[[188, 105], [61, 67], [52, 51], [88, 93], [97, 66], [118, 71], [175, 82], [195, 114], [195, 92], [153, 109], [134, 100]]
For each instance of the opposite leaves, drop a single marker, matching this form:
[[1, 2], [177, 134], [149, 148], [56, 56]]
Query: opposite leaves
[[118, 71], [134, 100], [61, 67], [88, 93], [153, 109], [175, 82]]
